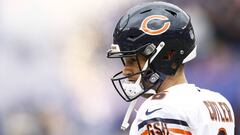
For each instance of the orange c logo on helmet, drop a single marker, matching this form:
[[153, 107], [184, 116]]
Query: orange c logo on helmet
[[144, 26]]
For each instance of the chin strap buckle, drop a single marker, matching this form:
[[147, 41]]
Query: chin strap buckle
[[125, 123]]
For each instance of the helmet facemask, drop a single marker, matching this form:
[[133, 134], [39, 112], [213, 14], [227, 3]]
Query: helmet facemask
[[147, 78]]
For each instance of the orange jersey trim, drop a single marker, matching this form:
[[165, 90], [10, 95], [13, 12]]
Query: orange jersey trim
[[179, 131], [145, 132], [174, 130]]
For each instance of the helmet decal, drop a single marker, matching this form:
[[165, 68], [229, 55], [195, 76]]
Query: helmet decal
[[144, 26]]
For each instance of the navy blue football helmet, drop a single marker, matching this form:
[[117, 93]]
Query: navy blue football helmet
[[154, 30]]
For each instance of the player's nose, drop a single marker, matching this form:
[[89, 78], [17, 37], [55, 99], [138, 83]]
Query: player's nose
[[127, 71]]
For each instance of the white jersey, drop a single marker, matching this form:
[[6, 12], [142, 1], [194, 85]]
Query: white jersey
[[184, 109]]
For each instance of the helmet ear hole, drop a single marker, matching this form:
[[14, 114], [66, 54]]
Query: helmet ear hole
[[174, 65], [169, 55]]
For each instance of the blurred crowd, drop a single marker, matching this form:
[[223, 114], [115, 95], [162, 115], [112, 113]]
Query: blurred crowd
[[54, 75]]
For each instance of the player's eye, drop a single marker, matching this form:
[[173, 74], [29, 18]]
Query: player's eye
[[130, 61]]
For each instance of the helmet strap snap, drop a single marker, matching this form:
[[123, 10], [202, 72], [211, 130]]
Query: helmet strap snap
[[149, 49], [154, 78]]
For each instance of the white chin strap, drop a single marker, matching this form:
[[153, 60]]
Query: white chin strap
[[125, 123]]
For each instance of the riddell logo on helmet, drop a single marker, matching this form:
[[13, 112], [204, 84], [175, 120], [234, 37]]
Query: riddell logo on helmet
[[145, 28]]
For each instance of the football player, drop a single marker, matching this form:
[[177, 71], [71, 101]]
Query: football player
[[154, 41]]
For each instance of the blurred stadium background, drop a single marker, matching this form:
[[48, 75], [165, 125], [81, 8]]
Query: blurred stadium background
[[54, 75]]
